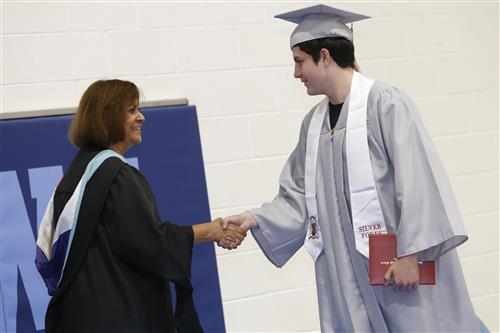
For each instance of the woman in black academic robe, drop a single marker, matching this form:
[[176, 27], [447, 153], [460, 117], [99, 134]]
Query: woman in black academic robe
[[122, 255]]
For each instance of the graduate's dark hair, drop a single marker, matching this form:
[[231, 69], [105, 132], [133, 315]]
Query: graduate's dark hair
[[100, 118], [341, 49]]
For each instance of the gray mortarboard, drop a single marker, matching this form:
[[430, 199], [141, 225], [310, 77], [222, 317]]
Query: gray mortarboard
[[320, 21]]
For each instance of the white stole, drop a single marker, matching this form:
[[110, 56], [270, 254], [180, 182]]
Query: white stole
[[313, 242], [366, 212]]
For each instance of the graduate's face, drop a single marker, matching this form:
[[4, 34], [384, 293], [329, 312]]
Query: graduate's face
[[311, 74], [133, 124]]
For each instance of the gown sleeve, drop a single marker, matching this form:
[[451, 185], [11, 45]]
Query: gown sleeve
[[137, 235], [282, 222], [430, 221]]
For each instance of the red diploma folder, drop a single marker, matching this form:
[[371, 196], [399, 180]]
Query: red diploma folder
[[383, 251]]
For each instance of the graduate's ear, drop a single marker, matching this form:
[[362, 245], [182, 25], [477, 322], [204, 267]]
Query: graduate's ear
[[324, 56]]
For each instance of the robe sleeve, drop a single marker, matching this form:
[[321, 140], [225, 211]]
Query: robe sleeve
[[138, 236], [430, 221], [282, 223]]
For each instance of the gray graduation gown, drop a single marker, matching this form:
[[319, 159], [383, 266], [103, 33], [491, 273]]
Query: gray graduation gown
[[417, 203]]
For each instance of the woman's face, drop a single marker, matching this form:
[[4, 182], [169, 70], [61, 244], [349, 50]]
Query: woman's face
[[133, 126]]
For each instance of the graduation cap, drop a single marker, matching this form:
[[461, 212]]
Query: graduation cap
[[320, 21]]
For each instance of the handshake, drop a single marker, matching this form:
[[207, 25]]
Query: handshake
[[230, 231]]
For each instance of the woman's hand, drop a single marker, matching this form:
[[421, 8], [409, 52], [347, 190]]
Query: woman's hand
[[244, 221], [231, 236]]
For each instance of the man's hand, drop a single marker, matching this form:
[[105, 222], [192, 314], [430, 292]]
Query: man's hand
[[232, 236], [403, 274], [245, 221]]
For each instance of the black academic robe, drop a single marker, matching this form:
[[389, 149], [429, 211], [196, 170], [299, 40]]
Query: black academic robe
[[122, 257]]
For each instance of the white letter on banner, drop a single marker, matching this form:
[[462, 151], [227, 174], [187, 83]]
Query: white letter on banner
[[18, 246]]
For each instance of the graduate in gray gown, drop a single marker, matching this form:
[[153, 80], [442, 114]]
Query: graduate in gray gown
[[363, 164]]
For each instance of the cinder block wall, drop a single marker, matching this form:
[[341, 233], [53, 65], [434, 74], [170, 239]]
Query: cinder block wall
[[233, 62]]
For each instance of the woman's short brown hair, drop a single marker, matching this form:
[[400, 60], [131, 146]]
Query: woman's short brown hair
[[99, 120]]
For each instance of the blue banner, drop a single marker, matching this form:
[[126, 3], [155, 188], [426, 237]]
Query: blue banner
[[34, 153]]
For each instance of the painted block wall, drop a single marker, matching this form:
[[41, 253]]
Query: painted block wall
[[232, 60]]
